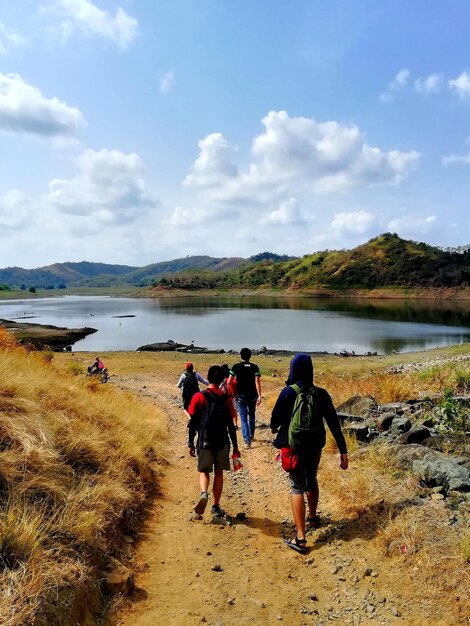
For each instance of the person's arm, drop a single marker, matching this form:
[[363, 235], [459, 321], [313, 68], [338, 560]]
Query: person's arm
[[201, 379], [232, 385], [231, 428], [333, 422], [181, 380], [258, 388], [282, 411], [194, 420]]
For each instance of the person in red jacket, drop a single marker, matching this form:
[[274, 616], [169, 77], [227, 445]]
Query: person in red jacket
[[211, 417]]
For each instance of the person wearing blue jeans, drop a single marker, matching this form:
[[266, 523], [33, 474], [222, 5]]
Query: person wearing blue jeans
[[245, 383]]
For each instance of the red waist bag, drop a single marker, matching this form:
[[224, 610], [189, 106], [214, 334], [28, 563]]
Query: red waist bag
[[289, 459]]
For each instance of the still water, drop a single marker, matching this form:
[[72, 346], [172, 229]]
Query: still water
[[311, 324]]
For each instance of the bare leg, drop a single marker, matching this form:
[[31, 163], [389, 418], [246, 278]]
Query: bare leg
[[312, 500], [204, 480], [298, 510], [218, 485]]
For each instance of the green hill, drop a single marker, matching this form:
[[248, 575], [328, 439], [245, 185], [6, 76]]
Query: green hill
[[385, 261], [58, 274]]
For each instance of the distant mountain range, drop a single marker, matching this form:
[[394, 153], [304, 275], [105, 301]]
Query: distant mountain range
[[384, 261], [88, 274]]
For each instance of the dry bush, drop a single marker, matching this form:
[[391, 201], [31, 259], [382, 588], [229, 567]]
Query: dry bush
[[74, 470]]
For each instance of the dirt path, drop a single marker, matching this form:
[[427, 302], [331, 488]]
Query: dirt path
[[343, 579]]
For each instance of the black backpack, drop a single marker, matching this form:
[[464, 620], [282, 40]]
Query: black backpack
[[190, 387], [213, 428]]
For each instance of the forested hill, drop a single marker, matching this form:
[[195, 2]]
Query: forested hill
[[384, 261], [88, 274]]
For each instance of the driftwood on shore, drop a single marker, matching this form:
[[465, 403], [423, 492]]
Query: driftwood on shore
[[42, 336]]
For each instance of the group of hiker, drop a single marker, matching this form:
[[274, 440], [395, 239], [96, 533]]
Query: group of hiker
[[297, 420]]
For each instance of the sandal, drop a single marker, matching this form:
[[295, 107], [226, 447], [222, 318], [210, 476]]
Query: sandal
[[299, 545], [314, 522]]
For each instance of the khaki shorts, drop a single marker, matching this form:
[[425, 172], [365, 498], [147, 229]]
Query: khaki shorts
[[213, 459]]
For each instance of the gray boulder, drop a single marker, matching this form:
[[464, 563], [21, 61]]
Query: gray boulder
[[404, 456], [358, 406], [385, 420], [437, 471], [358, 430], [400, 425], [394, 407], [417, 434]]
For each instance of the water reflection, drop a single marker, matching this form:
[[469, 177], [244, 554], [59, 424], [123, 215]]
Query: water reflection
[[427, 311], [313, 324]]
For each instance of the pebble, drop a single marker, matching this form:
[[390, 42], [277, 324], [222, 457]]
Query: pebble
[[217, 568], [437, 496], [367, 571], [334, 570], [394, 611], [313, 597]]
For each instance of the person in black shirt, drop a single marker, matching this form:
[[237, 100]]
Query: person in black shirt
[[245, 382], [304, 478]]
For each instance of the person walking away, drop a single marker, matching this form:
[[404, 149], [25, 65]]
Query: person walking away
[[224, 388], [211, 418], [245, 377], [301, 401], [188, 383]]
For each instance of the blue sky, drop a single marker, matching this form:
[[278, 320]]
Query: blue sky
[[137, 131]]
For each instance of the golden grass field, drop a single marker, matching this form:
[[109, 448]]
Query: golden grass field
[[76, 458]]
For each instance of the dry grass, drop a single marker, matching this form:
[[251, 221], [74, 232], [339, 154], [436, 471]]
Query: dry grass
[[74, 470], [420, 543]]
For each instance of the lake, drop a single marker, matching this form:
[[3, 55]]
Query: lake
[[231, 322]]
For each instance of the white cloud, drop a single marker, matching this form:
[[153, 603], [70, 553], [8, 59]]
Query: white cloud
[[456, 158], [167, 82], [24, 109], [400, 80], [430, 84], [184, 217], [461, 84], [109, 187], [295, 152], [90, 20], [397, 84], [288, 212], [413, 226], [9, 39], [214, 163], [15, 211], [353, 223]]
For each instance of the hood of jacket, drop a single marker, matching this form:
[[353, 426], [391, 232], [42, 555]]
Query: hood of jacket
[[301, 370]]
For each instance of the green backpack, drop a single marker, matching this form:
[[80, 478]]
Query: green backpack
[[306, 429]]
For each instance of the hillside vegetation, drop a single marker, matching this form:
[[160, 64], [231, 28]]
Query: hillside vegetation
[[74, 471], [386, 261]]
